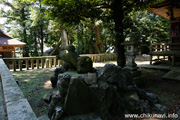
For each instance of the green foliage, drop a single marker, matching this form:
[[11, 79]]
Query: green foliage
[[72, 11], [148, 27], [44, 22]]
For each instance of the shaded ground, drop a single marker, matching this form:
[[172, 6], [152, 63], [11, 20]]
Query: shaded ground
[[36, 85], [168, 91]]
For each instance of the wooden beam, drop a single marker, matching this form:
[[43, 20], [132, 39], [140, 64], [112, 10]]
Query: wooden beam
[[14, 53]]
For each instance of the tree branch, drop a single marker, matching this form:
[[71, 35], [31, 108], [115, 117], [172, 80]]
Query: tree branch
[[104, 5], [8, 4]]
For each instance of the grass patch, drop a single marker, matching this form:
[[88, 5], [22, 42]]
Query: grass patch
[[35, 85]]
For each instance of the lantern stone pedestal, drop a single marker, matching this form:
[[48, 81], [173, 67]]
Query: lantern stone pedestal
[[131, 65], [131, 46]]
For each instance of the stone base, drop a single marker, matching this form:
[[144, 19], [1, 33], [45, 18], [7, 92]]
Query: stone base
[[132, 68], [89, 78], [138, 78]]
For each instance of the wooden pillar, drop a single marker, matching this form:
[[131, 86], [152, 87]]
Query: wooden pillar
[[14, 52], [42, 62], [32, 63], [104, 57], [100, 58], [37, 63], [165, 47], [14, 65], [20, 65], [158, 58], [59, 62], [50, 62], [47, 63], [55, 63], [92, 58], [150, 59], [27, 64]]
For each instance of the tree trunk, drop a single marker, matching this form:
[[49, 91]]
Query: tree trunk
[[26, 49], [35, 42], [82, 40], [41, 33], [99, 43], [91, 45], [119, 37], [42, 42]]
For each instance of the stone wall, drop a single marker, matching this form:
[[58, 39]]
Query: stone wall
[[16, 104]]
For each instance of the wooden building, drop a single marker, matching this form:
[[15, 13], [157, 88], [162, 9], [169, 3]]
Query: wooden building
[[169, 9], [8, 44]]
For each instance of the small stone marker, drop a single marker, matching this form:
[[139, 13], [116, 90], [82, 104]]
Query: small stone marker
[[64, 40], [79, 99]]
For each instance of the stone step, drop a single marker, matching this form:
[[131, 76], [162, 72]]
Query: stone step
[[174, 74]]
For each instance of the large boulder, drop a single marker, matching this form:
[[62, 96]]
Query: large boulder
[[115, 75], [152, 98], [63, 84], [54, 78]]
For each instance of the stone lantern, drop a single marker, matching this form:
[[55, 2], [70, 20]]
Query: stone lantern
[[131, 46]]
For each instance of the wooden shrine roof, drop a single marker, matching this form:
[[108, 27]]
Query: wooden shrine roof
[[169, 9], [5, 39]]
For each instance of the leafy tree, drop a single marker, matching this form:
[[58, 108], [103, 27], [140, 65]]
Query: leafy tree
[[91, 36], [40, 24]]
